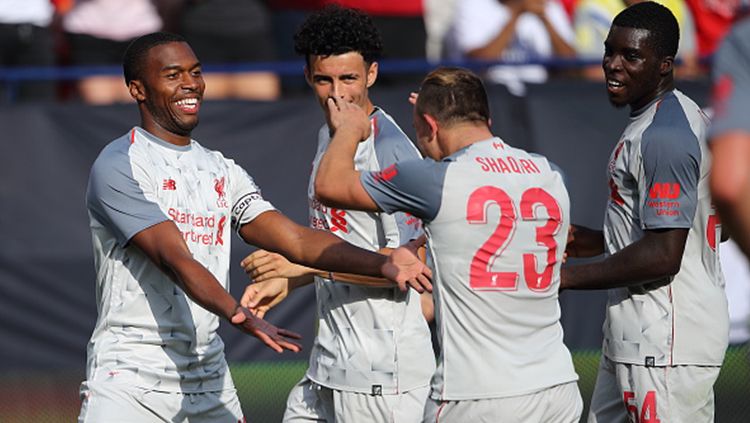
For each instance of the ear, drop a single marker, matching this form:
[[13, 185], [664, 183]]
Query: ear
[[372, 74], [137, 90], [433, 123], [667, 65]]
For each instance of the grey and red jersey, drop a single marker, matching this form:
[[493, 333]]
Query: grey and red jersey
[[497, 220], [149, 333], [731, 77], [658, 179], [370, 340]]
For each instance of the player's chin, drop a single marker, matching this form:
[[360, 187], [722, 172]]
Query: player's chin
[[617, 102], [187, 123]]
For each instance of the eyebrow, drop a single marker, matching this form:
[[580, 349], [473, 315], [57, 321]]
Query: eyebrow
[[177, 67]]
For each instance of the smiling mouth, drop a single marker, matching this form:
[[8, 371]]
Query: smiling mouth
[[188, 105], [614, 87]]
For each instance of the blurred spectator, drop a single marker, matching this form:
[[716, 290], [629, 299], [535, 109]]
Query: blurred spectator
[[98, 32], [26, 40], [230, 32], [511, 30], [713, 18], [570, 7], [438, 15], [592, 20]]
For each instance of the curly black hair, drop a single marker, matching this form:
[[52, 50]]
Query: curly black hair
[[664, 32], [337, 30], [135, 54]]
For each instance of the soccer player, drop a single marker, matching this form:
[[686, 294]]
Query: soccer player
[[497, 219], [161, 207], [372, 358], [666, 328], [730, 134]]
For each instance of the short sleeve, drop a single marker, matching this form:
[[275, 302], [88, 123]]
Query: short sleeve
[[247, 201], [413, 186], [116, 196], [731, 82], [393, 146], [671, 171]]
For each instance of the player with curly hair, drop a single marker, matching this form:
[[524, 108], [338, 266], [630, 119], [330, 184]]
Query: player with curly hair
[[372, 359]]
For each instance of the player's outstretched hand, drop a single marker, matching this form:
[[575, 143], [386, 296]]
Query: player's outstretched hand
[[345, 116], [260, 297], [276, 338], [406, 269], [263, 265]]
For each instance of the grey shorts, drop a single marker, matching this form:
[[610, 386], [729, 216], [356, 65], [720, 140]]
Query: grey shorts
[[122, 403], [629, 392], [310, 402], [557, 404]]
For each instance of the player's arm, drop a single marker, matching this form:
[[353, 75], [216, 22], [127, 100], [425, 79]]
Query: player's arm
[[275, 277], [337, 183], [730, 137], [657, 255], [730, 184], [164, 245], [671, 159], [264, 265], [275, 232], [584, 242]]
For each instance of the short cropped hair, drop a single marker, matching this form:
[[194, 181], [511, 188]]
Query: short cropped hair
[[657, 20], [336, 30], [453, 95], [135, 54]]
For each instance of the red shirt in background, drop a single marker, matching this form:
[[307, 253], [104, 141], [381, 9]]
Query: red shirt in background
[[371, 7], [712, 21]]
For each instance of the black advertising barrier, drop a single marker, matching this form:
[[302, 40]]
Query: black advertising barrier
[[47, 304]]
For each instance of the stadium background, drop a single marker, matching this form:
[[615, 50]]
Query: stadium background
[[47, 305]]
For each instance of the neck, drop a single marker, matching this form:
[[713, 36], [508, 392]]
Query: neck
[[159, 131], [666, 85], [462, 135]]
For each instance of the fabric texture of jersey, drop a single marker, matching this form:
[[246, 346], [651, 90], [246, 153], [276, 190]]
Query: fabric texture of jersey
[[497, 220], [370, 340], [731, 75], [149, 333], [658, 178]]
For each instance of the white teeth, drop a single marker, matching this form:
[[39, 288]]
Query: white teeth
[[613, 83], [188, 102]]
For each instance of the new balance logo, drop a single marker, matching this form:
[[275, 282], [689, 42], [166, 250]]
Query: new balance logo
[[169, 185], [664, 190]]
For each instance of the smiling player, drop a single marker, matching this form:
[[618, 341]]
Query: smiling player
[[161, 209], [666, 328]]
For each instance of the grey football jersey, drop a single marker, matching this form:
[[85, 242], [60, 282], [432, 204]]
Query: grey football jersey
[[497, 220], [658, 178], [148, 332], [731, 75], [370, 340]]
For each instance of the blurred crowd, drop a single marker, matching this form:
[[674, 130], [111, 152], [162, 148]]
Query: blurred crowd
[[95, 33]]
